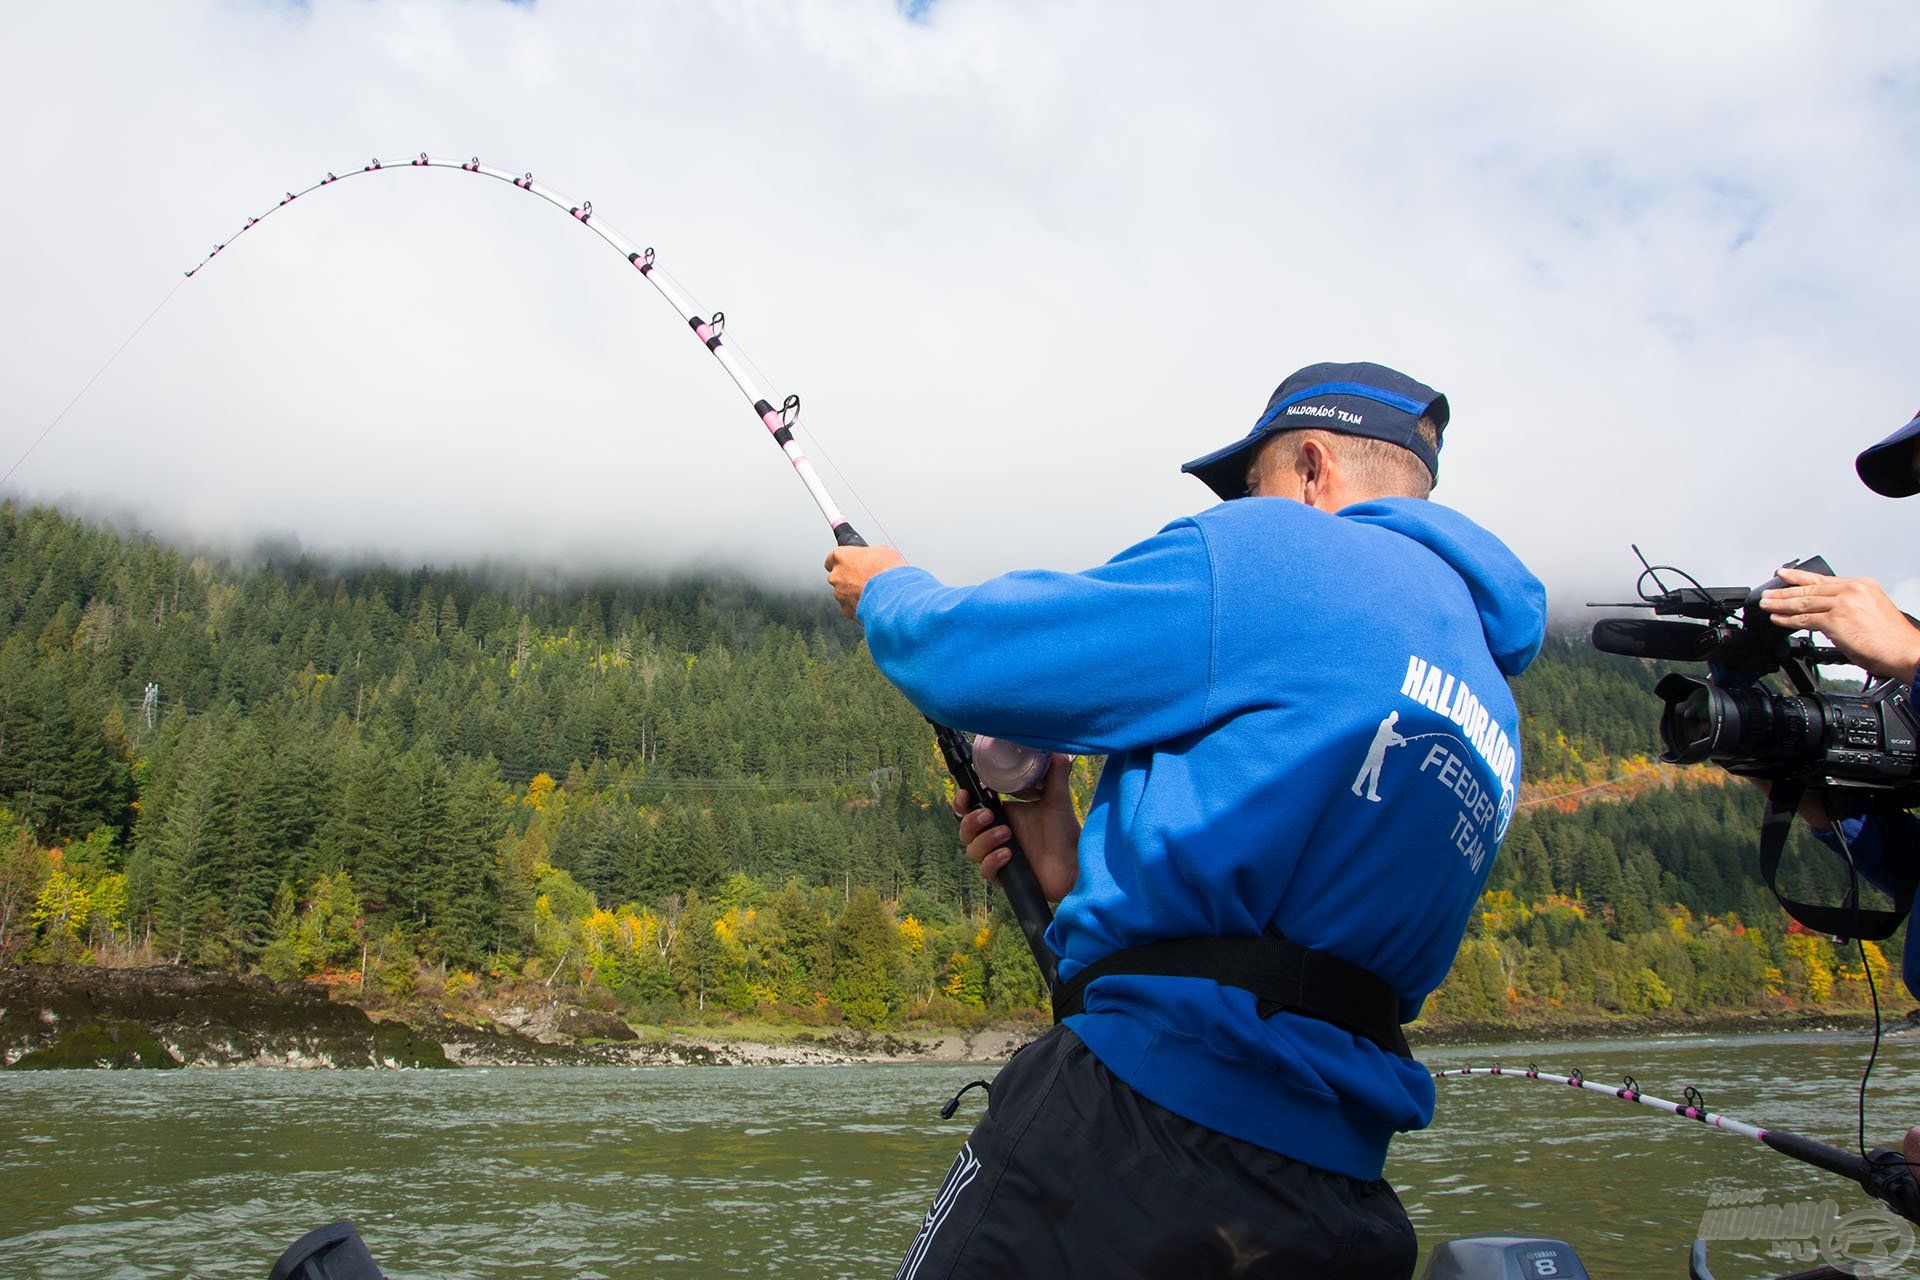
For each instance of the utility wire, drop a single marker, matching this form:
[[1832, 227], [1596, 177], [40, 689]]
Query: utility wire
[[1580, 791]]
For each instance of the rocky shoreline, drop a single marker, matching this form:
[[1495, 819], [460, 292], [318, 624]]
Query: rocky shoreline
[[166, 1016], [1433, 1035], [163, 1016]]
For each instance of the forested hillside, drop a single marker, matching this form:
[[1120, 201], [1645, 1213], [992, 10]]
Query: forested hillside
[[688, 796]]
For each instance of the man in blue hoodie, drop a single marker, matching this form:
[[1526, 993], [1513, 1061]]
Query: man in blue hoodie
[[1312, 755]]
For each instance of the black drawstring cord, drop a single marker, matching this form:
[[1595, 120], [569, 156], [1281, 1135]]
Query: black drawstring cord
[[952, 1104]]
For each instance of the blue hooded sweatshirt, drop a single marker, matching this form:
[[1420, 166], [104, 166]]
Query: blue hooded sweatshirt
[[1307, 726]]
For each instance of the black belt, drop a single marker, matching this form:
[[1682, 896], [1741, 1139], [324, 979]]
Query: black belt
[[1281, 973]]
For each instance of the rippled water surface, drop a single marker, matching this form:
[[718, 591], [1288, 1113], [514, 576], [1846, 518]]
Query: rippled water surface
[[812, 1171]]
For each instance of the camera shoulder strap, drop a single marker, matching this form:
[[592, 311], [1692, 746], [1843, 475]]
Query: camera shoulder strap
[[1849, 920]]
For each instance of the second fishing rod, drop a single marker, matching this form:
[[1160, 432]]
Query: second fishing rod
[[1883, 1174]]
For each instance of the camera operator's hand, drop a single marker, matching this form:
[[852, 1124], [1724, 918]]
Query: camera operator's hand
[[1855, 614], [1048, 828]]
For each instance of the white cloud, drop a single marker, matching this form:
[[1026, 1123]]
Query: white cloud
[[1020, 260]]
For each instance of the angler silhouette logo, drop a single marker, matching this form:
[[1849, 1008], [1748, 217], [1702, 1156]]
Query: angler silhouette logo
[[1383, 738]]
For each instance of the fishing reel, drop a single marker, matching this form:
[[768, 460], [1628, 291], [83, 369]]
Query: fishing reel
[[1013, 769]]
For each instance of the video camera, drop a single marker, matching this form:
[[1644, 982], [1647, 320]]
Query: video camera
[[1860, 751], [1869, 742]]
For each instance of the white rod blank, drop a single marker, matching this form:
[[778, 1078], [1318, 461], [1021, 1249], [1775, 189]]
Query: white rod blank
[[780, 417]]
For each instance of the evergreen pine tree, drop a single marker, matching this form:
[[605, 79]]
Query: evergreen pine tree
[[696, 956], [863, 961]]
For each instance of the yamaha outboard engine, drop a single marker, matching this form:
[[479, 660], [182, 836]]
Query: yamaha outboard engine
[[1504, 1258]]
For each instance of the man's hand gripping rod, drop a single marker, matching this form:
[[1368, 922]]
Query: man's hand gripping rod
[[1016, 877]]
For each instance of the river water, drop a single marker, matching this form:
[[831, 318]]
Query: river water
[[819, 1171]]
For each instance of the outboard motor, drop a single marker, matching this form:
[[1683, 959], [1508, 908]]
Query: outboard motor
[[332, 1252], [1504, 1258]]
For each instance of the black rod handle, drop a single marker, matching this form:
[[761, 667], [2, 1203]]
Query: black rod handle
[[1819, 1155], [1017, 880], [1884, 1175]]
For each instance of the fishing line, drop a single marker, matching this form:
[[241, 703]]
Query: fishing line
[[88, 385], [820, 447]]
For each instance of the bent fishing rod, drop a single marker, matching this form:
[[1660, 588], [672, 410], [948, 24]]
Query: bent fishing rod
[[1016, 878], [1885, 1175]]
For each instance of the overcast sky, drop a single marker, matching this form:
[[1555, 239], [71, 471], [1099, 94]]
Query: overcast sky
[[1020, 259]]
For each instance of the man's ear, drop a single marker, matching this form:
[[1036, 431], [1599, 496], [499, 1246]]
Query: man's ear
[[1312, 464]]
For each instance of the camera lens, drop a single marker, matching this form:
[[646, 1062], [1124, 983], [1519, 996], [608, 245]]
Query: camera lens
[[1736, 727], [1689, 727], [1693, 718]]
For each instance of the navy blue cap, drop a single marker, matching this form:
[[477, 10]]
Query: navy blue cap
[[1892, 467], [1353, 399]]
